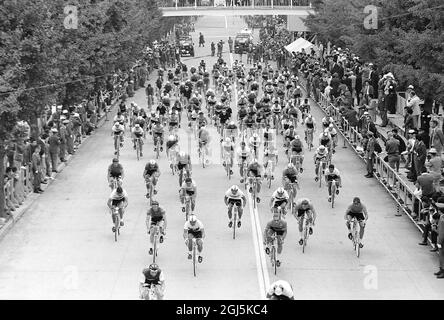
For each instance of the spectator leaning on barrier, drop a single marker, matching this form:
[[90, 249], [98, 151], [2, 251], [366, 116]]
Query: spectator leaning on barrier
[[433, 165], [419, 155], [428, 216], [36, 169], [410, 149], [370, 154], [436, 137], [54, 151], [413, 104], [392, 149]]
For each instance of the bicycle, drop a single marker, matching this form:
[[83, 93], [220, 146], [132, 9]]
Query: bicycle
[[116, 182], [187, 206], [292, 194], [305, 229], [309, 138], [117, 146], [296, 160], [157, 147], [269, 172], [194, 250], [235, 213], [147, 291], [150, 187], [172, 159], [227, 164], [138, 142], [156, 230], [355, 237], [273, 253], [181, 175], [254, 187], [333, 192], [321, 168], [116, 219], [202, 153]]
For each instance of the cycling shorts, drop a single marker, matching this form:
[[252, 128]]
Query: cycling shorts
[[138, 135], [180, 166], [359, 216], [301, 212], [278, 203], [331, 178], [278, 232], [237, 202], [292, 178], [158, 134], [297, 149], [117, 133], [195, 234], [156, 219], [173, 124], [150, 173], [189, 192], [116, 203]]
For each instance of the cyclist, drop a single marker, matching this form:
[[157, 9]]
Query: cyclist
[[231, 131], [310, 127], [243, 157], [151, 171], [235, 196], [118, 198], [201, 120], [118, 130], [301, 207], [188, 188], [155, 216], [289, 135], [326, 121], [153, 276], [254, 143], [290, 175], [254, 170], [194, 228], [204, 138], [305, 109], [115, 171], [334, 136], [183, 162], [280, 290], [270, 153], [280, 199], [172, 145], [137, 133], [173, 121], [332, 174], [356, 210], [120, 118], [228, 151], [296, 148], [158, 131], [320, 154], [276, 227]]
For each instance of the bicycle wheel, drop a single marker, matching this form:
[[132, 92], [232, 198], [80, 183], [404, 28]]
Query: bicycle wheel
[[157, 148], [333, 193], [203, 158], [155, 246], [137, 150], [254, 195], [116, 226], [234, 222], [187, 210], [273, 258], [357, 242], [194, 257], [304, 244]]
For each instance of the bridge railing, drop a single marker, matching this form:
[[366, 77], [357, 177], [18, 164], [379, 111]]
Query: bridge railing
[[199, 4]]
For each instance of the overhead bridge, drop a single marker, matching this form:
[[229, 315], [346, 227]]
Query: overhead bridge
[[227, 8]]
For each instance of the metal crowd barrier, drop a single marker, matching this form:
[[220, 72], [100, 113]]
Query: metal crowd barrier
[[17, 191], [404, 197]]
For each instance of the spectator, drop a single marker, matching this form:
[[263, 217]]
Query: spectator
[[230, 44], [54, 143], [408, 120], [366, 93], [433, 165], [413, 104], [63, 138], [390, 100], [201, 40], [402, 146], [419, 155], [429, 215], [436, 137], [370, 154], [424, 183], [36, 169], [392, 149]]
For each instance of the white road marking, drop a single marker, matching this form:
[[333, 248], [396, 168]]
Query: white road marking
[[261, 264], [226, 22]]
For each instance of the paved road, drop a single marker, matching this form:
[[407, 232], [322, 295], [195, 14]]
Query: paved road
[[63, 247]]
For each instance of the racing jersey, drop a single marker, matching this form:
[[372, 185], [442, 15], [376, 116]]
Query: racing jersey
[[276, 108], [242, 113], [117, 129], [158, 128], [359, 208], [189, 188], [292, 112], [243, 153], [279, 226], [323, 140], [150, 168], [255, 168], [276, 197], [289, 133], [296, 145], [156, 215], [332, 175], [153, 279], [300, 210], [239, 195], [137, 132], [120, 119], [319, 155], [198, 226], [115, 170], [290, 173], [310, 123], [204, 135], [228, 146], [254, 142], [201, 120], [332, 132], [183, 160]]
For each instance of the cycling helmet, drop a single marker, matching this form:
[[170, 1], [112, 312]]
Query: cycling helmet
[[192, 218], [152, 162], [232, 123], [234, 188], [227, 140], [280, 191], [155, 203], [290, 165], [154, 267]]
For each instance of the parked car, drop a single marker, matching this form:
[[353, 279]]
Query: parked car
[[242, 41], [186, 46]]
